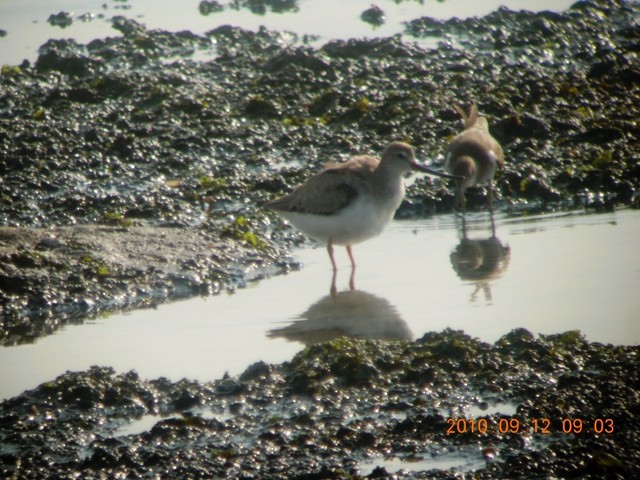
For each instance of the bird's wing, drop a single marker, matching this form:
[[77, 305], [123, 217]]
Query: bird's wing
[[326, 192]]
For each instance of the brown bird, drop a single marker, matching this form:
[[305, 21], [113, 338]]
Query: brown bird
[[351, 202], [473, 155]]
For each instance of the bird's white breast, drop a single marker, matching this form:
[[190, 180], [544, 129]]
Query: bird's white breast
[[364, 218]]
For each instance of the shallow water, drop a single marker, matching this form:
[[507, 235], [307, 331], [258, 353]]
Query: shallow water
[[27, 26], [547, 273], [446, 461]]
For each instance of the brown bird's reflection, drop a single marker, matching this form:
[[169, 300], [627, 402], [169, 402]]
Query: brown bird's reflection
[[350, 313], [480, 260]]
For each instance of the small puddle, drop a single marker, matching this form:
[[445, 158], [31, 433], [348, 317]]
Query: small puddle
[[505, 408], [139, 425], [486, 408], [448, 461], [147, 422]]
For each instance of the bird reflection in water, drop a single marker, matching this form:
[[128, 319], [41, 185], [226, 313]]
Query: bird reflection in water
[[350, 313], [352, 281], [480, 260]]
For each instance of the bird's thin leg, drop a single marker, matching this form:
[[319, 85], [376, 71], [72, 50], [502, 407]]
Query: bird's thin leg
[[353, 261], [352, 284], [333, 260], [352, 279], [491, 196]]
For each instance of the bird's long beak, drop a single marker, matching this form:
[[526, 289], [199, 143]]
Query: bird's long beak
[[424, 169]]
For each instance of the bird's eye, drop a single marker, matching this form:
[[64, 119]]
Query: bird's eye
[[401, 155]]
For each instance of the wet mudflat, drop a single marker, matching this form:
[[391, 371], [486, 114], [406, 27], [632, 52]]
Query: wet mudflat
[[122, 139]]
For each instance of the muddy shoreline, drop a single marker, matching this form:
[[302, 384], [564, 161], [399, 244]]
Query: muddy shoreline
[[131, 175]]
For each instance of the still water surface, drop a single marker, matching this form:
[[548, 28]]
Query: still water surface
[[547, 273], [27, 27]]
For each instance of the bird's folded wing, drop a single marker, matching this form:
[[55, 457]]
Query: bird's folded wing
[[323, 194]]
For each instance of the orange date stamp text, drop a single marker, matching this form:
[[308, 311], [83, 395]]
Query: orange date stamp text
[[542, 426]]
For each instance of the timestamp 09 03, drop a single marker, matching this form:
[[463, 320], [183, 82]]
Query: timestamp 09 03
[[543, 426]]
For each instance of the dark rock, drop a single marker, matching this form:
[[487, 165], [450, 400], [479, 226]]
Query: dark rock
[[64, 56], [127, 26], [61, 19], [374, 15], [522, 126], [207, 7], [599, 135], [257, 370]]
